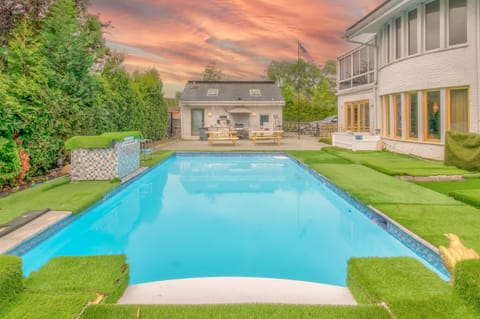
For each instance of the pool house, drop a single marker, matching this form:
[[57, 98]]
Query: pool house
[[239, 105]]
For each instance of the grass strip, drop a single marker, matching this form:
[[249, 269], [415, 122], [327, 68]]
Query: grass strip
[[398, 164], [156, 158], [370, 186], [432, 221], [408, 288], [234, 312], [60, 195], [107, 275], [33, 305], [467, 191], [11, 278]]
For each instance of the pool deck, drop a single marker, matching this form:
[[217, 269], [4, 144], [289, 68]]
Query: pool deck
[[31, 229], [289, 142], [236, 290]]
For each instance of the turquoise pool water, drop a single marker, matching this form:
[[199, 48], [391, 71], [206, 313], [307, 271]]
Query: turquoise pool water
[[201, 216]]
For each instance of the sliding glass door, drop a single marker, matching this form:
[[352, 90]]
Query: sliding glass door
[[357, 116]]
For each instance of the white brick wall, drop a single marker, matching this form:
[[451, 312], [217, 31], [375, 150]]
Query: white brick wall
[[438, 69]]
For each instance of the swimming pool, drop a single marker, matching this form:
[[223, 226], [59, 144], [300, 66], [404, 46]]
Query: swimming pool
[[205, 215]]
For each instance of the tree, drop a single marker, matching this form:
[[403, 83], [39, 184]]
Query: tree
[[212, 72], [32, 109], [65, 45], [316, 88]]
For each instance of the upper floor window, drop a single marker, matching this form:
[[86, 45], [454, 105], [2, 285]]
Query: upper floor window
[[432, 25], [357, 68], [398, 38], [457, 22], [212, 92], [255, 92], [412, 32]]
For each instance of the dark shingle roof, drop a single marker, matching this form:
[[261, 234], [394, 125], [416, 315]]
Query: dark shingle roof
[[232, 91]]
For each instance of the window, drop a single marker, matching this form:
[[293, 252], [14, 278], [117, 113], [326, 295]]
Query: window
[[371, 58], [345, 81], [364, 60], [398, 38], [412, 115], [397, 112], [212, 92], [458, 109], [357, 68], [387, 42], [457, 22], [412, 32], [357, 116], [255, 92], [432, 25], [432, 111], [386, 115], [264, 118], [356, 63]]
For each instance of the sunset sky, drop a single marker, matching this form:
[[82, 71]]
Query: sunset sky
[[180, 37]]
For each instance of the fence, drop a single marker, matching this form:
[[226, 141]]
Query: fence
[[318, 130]]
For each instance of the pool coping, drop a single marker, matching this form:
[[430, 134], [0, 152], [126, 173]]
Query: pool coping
[[419, 246], [235, 290]]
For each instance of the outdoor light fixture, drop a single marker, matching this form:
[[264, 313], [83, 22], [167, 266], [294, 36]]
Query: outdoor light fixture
[[254, 114], [209, 114]]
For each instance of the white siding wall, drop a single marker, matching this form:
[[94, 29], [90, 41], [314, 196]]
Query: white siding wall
[[251, 120], [357, 96]]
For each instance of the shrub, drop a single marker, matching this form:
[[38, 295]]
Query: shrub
[[467, 281], [9, 161], [11, 278], [463, 150], [326, 140]]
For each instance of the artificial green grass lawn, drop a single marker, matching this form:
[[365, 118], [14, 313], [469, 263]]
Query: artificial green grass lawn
[[372, 187], [156, 158], [104, 274], [397, 164], [56, 195], [99, 141], [427, 213], [467, 191], [235, 312], [409, 289], [46, 305], [432, 221]]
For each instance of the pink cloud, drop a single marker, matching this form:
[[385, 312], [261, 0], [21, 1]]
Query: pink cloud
[[180, 37]]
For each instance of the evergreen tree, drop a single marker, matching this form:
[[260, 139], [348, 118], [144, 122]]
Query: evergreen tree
[[66, 46], [212, 72], [32, 114]]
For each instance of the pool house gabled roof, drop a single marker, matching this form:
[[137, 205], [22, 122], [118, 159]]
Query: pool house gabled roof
[[232, 93]]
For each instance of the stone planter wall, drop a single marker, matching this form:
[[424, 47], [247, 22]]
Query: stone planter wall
[[105, 164]]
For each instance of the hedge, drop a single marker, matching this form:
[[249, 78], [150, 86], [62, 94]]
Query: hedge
[[11, 278], [463, 150], [467, 281], [99, 141], [9, 161]]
